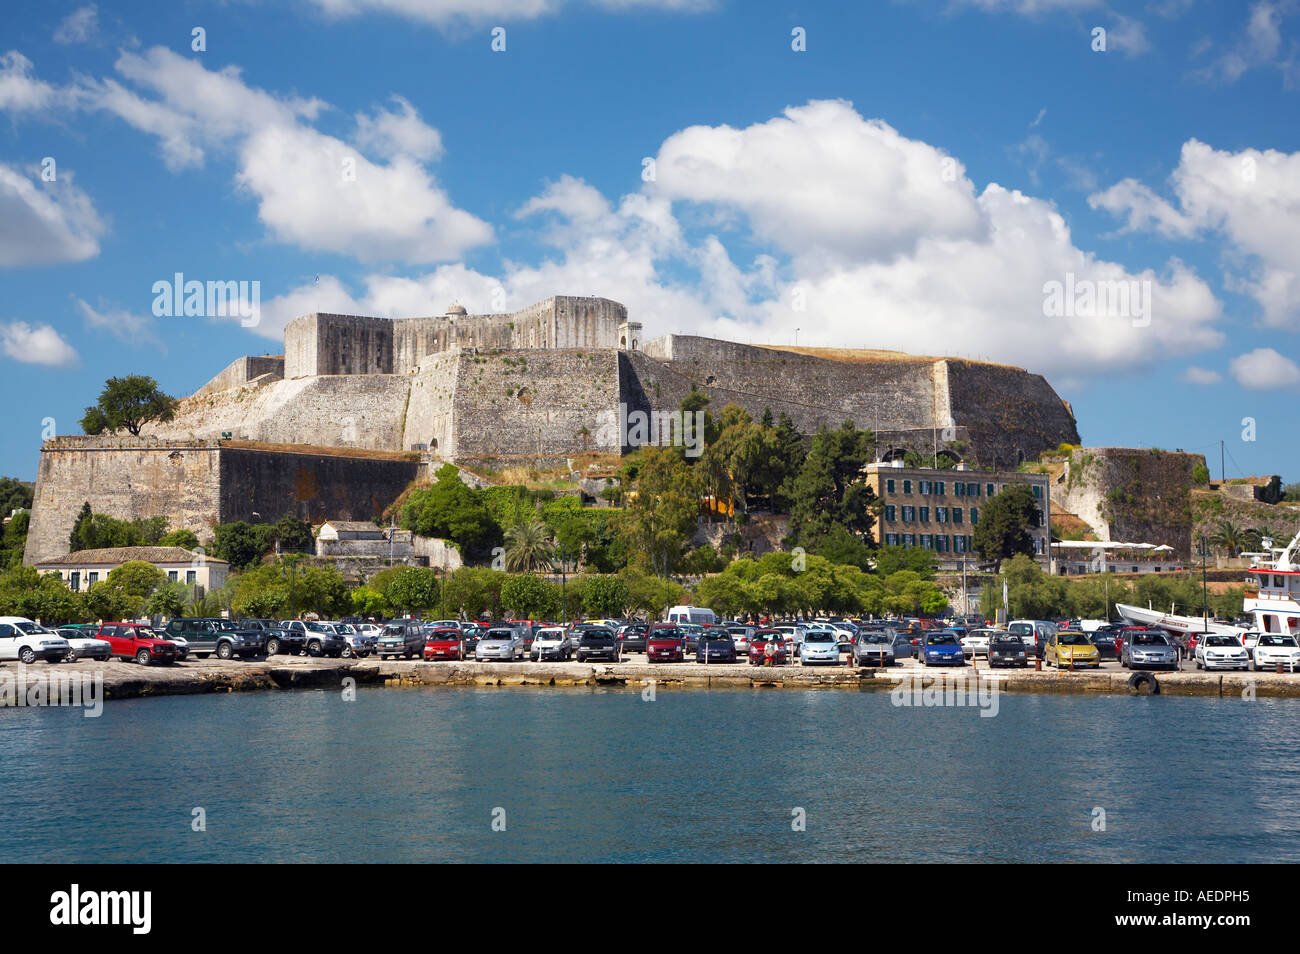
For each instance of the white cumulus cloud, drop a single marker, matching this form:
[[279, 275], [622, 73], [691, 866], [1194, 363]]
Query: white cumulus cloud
[[1265, 370], [45, 223], [39, 344]]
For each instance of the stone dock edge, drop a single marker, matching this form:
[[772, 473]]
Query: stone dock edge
[[127, 681]]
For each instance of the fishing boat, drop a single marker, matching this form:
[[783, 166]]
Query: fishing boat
[[1273, 605]]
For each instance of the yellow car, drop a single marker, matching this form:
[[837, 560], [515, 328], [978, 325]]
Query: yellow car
[[1070, 646]]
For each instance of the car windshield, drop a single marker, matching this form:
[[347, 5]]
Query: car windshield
[[1221, 641], [344, 629], [1011, 642], [320, 627], [597, 634], [549, 634], [1277, 641], [819, 637], [1149, 639], [1073, 639], [874, 638], [943, 639], [501, 634], [445, 634]]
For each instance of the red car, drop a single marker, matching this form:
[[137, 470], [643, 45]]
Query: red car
[[665, 644], [137, 641], [760, 652], [444, 644]]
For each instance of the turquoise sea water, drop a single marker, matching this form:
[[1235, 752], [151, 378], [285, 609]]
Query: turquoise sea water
[[582, 775]]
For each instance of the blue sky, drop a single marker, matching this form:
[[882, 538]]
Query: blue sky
[[913, 179]]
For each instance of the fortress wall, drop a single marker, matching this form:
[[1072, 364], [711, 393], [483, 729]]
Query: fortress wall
[[429, 418], [336, 410], [125, 477], [1011, 415], [812, 391], [242, 370], [414, 338], [300, 357], [513, 405], [587, 322], [313, 487]]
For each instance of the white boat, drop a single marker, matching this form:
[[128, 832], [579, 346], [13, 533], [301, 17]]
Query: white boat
[[1274, 606]]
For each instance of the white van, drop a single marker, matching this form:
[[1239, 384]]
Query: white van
[[691, 614]]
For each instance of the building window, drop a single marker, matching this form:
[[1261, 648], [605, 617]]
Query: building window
[[941, 543], [959, 544], [890, 512], [1038, 492], [889, 485], [956, 514], [191, 577], [891, 539], [907, 486], [74, 580], [974, 515], [923, 487], [925, 514], [938, 488], [988, 490], [927, 541], [171, 575], [909, 540], [941, 514], [909, 514], [972, 490], [92, 578], [959, 489]]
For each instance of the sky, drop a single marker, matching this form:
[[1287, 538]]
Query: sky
[[1107, 194]]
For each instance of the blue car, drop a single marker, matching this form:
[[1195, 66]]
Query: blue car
[[941, 648]]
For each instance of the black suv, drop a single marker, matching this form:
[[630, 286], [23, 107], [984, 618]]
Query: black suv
[[279, 640], [597, 641]]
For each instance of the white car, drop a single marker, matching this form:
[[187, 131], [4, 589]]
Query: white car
[[819, 646], [437, 624], [551, 643], [1217, 651], [27, 641], [1249, 639], [976, 643], [1274, 648], [85, 647]]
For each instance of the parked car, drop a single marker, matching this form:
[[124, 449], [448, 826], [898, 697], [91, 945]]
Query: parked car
[[1034, 633], [904, 648], [1219, 651], [597, 641], [401, 637], [551, 642], [740, 638], [1104, 638], [27, 641], [139, 642], [665, 643], [715, 646], [874, 648], [1007, 649], [473, 633], [691, 634], [1249, 638], [358, 646], [501, 642], [976, 642], [632, 637], [820, 646], [83, 645], [282, 640], [1071, 649], [221, 636], [1148, 648], [768, 645], [444, 642], [1125, 635], [1273, 649], [941, 648]]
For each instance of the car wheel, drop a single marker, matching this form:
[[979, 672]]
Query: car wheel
[[225, 651], [27, 655], [272, 647], [71, 656], [313, 648], [143, 657], [347, 652]]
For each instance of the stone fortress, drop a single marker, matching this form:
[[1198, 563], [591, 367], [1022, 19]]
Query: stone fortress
[[358, 406]]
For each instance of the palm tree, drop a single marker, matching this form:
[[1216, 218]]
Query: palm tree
[[1229, 536], [529, 546]]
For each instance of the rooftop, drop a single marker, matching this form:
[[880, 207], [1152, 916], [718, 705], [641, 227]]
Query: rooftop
[[114, 556]]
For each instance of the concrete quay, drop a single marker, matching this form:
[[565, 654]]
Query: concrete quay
[[125, 680]]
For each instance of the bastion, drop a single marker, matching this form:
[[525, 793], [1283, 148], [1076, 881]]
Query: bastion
[[543, 383]]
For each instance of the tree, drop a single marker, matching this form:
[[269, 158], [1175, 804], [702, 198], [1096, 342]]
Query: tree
[[292, 535], [605, 596], [1005, 523], [14, 495], [168, 600], [180, 538], [529, 596], [137, 577], [1229, 536], [529, 547], [451, 511], [413, 589], [829, 489], [470, 592], [130, 402], [241, 544], [660, 520]]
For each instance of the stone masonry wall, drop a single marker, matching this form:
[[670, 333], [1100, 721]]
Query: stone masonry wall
[[243, 370], [1011, 415]]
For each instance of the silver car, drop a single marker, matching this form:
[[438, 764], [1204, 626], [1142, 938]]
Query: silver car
[[1149, 649], [500, 643], [740, 636], [874, 648]]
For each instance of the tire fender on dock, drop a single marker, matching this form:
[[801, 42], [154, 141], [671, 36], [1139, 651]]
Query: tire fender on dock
[[1143, 684]]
